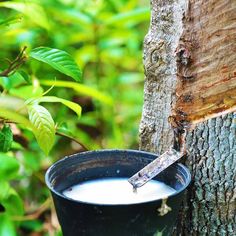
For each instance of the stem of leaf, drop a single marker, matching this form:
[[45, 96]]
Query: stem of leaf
[[14, 65], [72, 138]]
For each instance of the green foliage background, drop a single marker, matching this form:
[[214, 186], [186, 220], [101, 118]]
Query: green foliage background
[[104, 38]]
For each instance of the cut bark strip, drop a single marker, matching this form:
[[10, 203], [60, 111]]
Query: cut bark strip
[[206, 54]]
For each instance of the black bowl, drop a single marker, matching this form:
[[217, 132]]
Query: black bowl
[[79, 218]]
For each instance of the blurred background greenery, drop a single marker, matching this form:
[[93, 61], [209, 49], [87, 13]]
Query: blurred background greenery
[[105, 39]]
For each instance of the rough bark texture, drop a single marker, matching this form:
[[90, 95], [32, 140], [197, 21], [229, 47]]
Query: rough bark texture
[[210, 205], [160, 70], [210, 208]]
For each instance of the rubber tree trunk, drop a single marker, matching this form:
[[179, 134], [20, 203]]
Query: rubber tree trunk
[[210, 204]]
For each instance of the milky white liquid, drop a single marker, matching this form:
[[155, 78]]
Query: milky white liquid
[[115, 191]]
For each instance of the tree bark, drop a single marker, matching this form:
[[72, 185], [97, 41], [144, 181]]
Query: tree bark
[[160, 70], [210, 205]]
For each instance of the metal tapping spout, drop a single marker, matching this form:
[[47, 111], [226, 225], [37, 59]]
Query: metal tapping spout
[[162, 162]]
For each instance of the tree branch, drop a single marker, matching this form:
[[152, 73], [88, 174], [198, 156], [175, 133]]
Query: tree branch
[[72, 138], [14, 65]]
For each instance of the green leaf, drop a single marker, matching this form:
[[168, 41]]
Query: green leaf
[[6, 226], [25, 76], [12, 81], [72, 15], [4, 190], [15, 117], [9, 167], [6, 138], [10, 21], [73, 106], [31, 164], [16, 146], [44, 127], [135, 16], [59, 60], [81, 89], [32, 10], [27, 91], [13, 203], [13, 104]]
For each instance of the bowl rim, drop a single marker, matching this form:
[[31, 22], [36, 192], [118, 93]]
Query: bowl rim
[[84, 154]]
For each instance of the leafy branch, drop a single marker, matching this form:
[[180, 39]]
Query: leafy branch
[[40, 121], [14, 65]]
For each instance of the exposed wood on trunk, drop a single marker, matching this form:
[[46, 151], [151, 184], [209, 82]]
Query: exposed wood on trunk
[[206, 61], [210, 205]]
